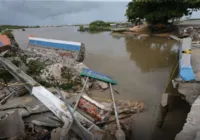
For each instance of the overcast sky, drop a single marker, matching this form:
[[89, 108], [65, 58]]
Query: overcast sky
[[56, 12]]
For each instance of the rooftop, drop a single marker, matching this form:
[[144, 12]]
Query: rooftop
[[4, 40]]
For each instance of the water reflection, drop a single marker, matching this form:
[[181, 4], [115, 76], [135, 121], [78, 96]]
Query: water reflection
[[151, 53]]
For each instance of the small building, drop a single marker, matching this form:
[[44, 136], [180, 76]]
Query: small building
[[113, 25], [4, 43]]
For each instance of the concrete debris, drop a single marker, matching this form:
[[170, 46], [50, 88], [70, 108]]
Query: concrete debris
[[102, 84], [130, 106], [39, 120], [97, 111], [46, 119], [23, 112], [125, 123], [55, 135], [42, 118], [189, 31], [191, 128], [35, 132], [12, 126]]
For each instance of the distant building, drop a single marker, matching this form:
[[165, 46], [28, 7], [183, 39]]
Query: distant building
[[4, 43], [113, 25]]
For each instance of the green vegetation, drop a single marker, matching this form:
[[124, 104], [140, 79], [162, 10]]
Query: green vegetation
[[16, 62], [72, 82], [10, 27], [96, 26], [82, 28], [14, 45], [99, 26], [5, 75], [44, 83], [35, 67], [160, 11]]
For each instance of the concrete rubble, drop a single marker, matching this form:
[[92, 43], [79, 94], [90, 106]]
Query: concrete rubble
[[191, 129], [189, 31], [190, 88], [35, 120]]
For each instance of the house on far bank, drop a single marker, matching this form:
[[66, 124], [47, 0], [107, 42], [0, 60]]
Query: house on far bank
[[4, 43]]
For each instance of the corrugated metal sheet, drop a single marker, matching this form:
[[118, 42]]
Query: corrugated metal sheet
[[4, 40], [58, 44]]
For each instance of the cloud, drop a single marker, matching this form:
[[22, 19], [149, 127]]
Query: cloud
[[32, 12], [195, 14], [44, 9]]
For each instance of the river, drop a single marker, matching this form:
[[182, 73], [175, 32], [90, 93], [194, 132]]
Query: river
[[140, 66]]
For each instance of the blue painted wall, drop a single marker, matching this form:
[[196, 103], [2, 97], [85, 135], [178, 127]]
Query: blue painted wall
[[70, 47], [186, 73]]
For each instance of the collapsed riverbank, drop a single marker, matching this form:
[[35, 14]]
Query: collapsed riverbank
[[40, 65], [145, 65]]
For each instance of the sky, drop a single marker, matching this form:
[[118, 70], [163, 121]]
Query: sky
[[58, 12], [62, 12]]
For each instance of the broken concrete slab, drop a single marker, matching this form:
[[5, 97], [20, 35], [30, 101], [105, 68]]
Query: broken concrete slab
[[44, 119], [22, 111], [30, 103], [12, 126]]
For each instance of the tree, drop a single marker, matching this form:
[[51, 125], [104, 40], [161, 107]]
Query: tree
[[81, 28], [99, 25], [160, 11]]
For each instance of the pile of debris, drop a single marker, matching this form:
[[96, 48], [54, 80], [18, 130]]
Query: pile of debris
[[35, 121], [23, 116], [190, 31]]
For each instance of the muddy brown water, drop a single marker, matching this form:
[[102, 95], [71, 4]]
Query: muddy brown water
[[140, 66]]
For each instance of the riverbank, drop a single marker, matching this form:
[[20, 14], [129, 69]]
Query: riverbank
[[141, 67], [187, 83], [57, 73]]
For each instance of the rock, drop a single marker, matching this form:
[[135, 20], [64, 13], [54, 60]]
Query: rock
[[38, 129], [31, 59], [55, 134], [188, 29], [190, 130], [12, 126], [140, 29], [102, 84], [129, 106], [141, 36], [2, 95], [53, 70], [81, 54], [79, 67]]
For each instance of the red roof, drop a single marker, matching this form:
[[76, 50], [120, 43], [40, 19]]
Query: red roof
[[4, 40]]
